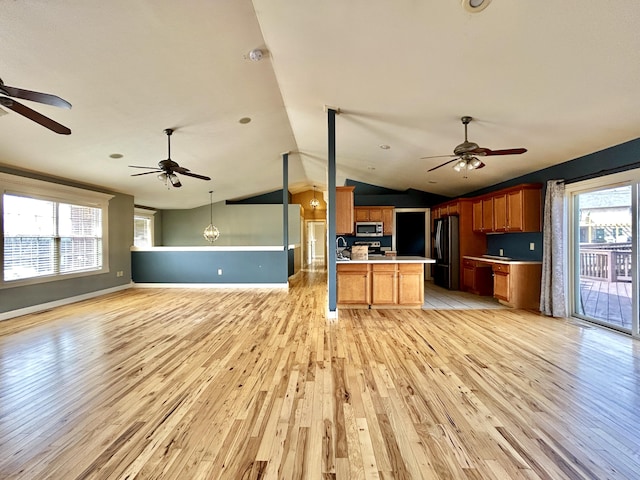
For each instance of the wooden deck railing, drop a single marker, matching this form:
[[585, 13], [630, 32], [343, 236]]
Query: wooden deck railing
[[600, 263]]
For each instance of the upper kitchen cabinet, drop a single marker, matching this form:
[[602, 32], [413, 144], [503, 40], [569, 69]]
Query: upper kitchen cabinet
[[483, 215], [516, 209], [344, 210], [376, 214]]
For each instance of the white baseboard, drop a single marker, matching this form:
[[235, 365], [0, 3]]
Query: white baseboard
[[58, 303], [211, 285]]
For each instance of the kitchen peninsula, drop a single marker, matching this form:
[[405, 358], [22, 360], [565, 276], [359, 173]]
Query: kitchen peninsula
[[382, 282]]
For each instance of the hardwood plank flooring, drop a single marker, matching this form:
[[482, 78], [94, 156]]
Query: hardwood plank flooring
[[242, 384]]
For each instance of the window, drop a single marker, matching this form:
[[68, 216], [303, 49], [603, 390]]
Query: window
[[50, 231], [143, 228]]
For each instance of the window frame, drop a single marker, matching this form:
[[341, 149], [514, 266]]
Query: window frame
[[48, 191], [150, 215]]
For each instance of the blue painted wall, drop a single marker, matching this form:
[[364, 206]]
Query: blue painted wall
[[614, 159], [202, 267]]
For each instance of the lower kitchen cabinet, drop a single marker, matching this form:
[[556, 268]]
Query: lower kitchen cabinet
[[384, 284], [517, 284], [477, 277], [378, 284], [353, 285], [410, 284]]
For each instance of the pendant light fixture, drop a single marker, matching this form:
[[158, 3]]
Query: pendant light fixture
[[315, 203], [211, 233]]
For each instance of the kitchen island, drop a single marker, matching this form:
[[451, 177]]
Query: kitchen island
[[381, 282]]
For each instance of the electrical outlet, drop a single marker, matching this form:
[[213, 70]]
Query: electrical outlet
[[219, 271], [501, 252], [532, 246]]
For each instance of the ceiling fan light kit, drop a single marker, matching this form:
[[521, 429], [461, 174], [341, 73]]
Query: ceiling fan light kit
[[167, 169], [465, 154]]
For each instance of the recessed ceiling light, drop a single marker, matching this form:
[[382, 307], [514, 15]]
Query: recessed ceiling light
[[475, 5], [384, 146], [116, 155], [244, 120]]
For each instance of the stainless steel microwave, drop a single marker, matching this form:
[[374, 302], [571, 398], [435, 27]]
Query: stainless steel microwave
[[369, 229]]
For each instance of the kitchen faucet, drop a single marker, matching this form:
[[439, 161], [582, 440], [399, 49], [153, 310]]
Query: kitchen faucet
[[344, 245]]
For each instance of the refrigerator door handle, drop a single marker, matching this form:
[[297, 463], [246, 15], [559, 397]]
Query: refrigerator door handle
[[438, 242]]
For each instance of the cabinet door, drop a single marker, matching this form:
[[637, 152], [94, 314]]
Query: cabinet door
[[375, 214], [387, 220], [477, 224], [361, 214], [344, 210], [501, 282], [500, 213], [353, 287], [410, 284], [384, 284], [515, 210], [488, 221], [468, 277]]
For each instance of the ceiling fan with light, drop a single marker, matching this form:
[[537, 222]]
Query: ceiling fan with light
[[6, 91], [466, 154], [167, 169]]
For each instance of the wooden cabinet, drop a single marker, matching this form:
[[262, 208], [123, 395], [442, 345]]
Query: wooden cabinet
[[517, 284], [516, 209], [482, 215], [344, 210], [376, 214], [353, 285], [477, 277], [410, 284], [501, 287], [380, 284], [387, 220], [384, 284]]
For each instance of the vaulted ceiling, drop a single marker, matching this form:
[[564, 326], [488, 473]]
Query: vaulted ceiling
[[559, 79]]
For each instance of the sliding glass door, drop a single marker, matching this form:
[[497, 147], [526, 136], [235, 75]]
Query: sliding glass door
[[603, 219]]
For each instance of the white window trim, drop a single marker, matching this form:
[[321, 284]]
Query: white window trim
[[144, 212], [42, 190]]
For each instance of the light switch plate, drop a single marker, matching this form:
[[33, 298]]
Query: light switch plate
[[532, 246]]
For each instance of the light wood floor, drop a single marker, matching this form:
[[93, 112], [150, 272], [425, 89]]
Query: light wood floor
[[189, 384]]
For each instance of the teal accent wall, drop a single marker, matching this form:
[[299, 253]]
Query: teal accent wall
[[202, 267]]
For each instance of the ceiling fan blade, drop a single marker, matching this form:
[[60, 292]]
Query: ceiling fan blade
[[138, 166], [178, 169], [39, 97], [145, 173], [438, 156], [443, 164], [195, 175], [35, 116], [488, 152]]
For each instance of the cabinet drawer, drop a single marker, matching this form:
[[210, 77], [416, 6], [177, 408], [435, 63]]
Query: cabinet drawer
[[410, 267], [353, 267], [499, 267], [383, 267]]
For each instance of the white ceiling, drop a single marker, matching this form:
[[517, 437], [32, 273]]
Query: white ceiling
[[560, 79]]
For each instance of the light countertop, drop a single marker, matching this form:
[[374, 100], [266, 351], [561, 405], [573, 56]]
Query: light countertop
[[397, 259], [505, 261]]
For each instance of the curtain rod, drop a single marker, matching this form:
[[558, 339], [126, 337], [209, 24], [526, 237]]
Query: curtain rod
[[606, 171]]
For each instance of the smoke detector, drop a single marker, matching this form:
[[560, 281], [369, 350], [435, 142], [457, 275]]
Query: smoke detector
[[255, 55]]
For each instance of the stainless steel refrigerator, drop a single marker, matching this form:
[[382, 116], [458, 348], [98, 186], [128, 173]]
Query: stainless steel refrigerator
[[446, 252]]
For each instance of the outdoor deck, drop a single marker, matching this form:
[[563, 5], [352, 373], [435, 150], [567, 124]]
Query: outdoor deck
[[608, 302]]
